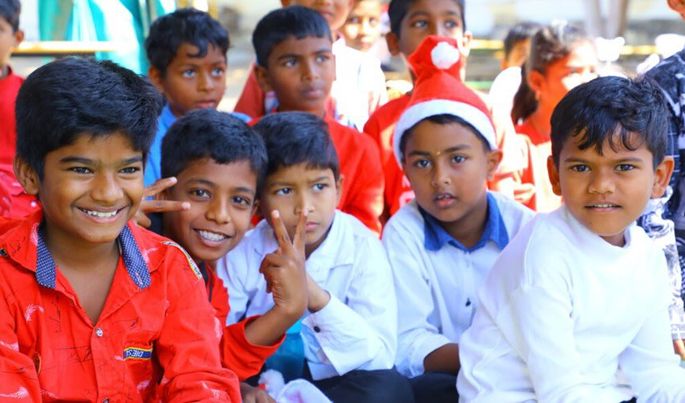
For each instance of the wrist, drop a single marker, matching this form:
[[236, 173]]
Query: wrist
[[319, 300]]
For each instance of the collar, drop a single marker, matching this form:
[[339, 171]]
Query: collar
[[166, 118], [435, 237]]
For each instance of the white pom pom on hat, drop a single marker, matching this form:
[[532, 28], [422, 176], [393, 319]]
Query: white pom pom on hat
[[444, 55]]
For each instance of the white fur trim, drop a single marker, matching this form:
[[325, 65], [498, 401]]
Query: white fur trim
[[418, 112], [444, 55]]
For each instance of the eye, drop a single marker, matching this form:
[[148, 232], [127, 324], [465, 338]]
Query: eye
[[421, 164], [81, 170], [625, 167], [458, 159], [218, 71], [190, 73], [283, 191], [319, 186], [579, 168], [419, 24], [130, 170], [322, 58], [452, 24], [199, 194], [289, 62], [353, 20], [242, 201]]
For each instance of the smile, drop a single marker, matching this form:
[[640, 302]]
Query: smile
[[101, 214], [602, 205], [211, 236]]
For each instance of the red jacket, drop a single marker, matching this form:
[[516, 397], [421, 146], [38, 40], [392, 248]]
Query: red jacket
[[154, 340]]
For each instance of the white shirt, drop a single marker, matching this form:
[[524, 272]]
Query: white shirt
[[562, 310], [357, 328], [436, 284]]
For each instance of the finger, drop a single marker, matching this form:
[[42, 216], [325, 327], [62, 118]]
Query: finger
[[281, 233], [163, 206], [300, 232], [143, 220], [159, 186]]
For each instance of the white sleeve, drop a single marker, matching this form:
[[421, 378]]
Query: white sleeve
[[234, 270], [360, 332], [417, 336]]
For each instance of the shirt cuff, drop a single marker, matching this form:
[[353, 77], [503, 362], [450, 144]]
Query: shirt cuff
[[421, 349]]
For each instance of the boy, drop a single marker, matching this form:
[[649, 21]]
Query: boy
[[362, 29], [442, 245], [219, 163], [349, 330], [295, 60], [87, 293], [576, 307], [359, 84], [410, 22], [187, 54], [21, 204]]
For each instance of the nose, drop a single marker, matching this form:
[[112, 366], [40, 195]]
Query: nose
[[205, 81], [310, 71], [366, 29], [304, 203], [440, 174], [601, 183], [218, 211], [106, 190]]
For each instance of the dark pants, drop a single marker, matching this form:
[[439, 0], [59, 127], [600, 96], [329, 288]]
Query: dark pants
[[435, 387], [380, 386]]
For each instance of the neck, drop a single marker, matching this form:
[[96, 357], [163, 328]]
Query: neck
[[540, 120], [469, 229], [77, 255], [4, 71]]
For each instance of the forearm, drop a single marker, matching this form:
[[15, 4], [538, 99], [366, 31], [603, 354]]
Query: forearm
[[269, 328], [444, 359]]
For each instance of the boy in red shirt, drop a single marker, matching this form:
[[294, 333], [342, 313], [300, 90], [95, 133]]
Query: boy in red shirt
[[219, 162], [97, 309], [10, 37], [294, 59]]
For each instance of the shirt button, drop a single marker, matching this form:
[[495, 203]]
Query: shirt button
[[105, 401], [317, 329], [99, 333]]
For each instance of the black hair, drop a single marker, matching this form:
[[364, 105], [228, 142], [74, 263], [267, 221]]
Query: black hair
[[72, 96], [443, 119], [283, 23], [207, 133], [398, 9], [614, 109], [9, 11], [293, 138], [185, 25], [549, 44], [519, 32]]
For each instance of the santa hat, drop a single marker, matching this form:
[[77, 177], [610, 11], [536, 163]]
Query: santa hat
[[439, 90]]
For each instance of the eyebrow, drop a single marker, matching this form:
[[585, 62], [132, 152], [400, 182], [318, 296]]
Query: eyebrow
[[212, 184], [621, 160], [290, 184], [447, 150], [298, 55], [421, 13], [88, 161]]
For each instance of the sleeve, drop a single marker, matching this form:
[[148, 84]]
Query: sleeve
[[187, 347], [19, 377], [371, 75], [361, 332], [241, 356], [366, 196], [649, 362], [417, 336], [251, 100]]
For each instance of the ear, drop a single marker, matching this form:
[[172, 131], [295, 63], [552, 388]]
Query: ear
[[662, 175], [338, 189], [535, 80], [262, 76], [466, 43], [18, 37], [255, 208], [393, 43], [27, 176], [553, 173], [156, 78], [493, 158], [286, 3]]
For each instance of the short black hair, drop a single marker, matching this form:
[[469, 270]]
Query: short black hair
[[283, 23], [72, 96], [10, 11], [293, 138], [519, 32], [207, 133], [185, 25], [398, 9], [612, 108], [443, 119]]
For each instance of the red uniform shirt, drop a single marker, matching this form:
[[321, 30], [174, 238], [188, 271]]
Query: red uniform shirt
[[154, 340], [536, 149]]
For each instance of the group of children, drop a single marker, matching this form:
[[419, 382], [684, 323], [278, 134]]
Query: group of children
[[267, 251]]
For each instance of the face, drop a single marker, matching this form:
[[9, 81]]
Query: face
[[9, 39], [334, 11], [678, 6], [300, 72], [518, 54], [429, 17], [192, 82], [606, 193], [447, 167], [300, 188], [89, 190], [563, 75], [222, 200], [362, 28]]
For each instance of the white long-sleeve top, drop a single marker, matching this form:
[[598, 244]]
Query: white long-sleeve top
[[436, 278], [563, 311], [357, 328]]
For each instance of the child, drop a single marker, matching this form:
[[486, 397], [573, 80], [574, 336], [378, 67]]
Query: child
[[349, 330], [294, 59], [219, 163], [363, 26], [575, 308], [187, 54], [442, 245], [21, 204], [359, 83], [87, 293], [561, 57], [410, 22]]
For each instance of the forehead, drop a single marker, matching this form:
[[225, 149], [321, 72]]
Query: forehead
[[299, 173], [436, 137], [302, 46], [114, 145], [433, 7], [189, 53], [368, 7], [612, 147], [230, 175]]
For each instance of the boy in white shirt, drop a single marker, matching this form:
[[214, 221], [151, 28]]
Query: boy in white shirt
[[442, 245], [576, 307], [349, 328]]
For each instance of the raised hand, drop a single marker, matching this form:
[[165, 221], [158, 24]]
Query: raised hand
[[157, 205], [284, 269]]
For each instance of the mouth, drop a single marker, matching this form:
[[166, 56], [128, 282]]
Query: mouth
[[211, 236], [312, 93], [602, 206], [206, 104], [444, 200], [311, 226], [100, 215]]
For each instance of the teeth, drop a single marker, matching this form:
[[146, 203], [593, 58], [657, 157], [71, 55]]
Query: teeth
[[603, 205], [442, 197], [100, 214], [211, 236]]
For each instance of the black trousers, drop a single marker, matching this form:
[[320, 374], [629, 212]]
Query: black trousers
[[359, 386], [435, 387]]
